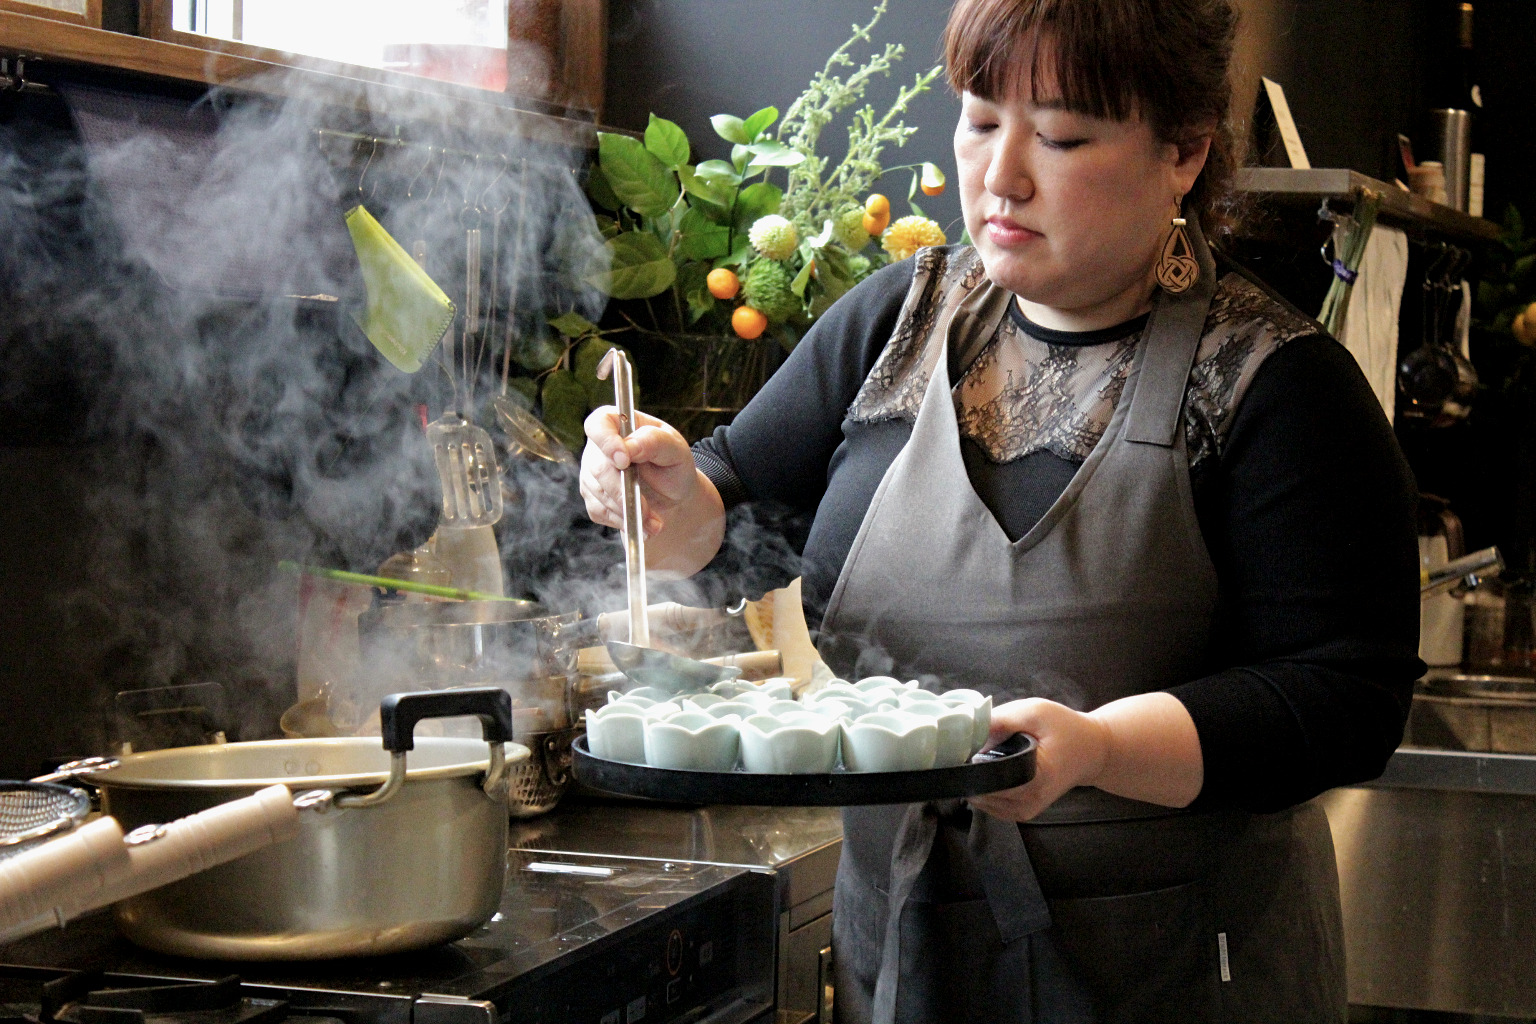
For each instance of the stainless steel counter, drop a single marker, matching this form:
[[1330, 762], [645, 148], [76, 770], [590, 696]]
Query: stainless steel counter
[[1437, 869], [800, 846]]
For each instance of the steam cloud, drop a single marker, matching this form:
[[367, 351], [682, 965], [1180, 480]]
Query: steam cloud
[[185, 400], [185, 406]]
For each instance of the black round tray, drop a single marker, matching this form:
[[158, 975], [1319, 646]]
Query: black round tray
[[1011, 763]]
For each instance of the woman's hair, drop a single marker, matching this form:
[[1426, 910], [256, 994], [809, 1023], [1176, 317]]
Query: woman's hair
[[1163, 60]]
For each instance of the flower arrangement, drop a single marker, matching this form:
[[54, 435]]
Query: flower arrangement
[[717, 249], [714, 245]]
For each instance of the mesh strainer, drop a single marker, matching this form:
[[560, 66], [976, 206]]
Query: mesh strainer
[[536, 786], [34, 811]]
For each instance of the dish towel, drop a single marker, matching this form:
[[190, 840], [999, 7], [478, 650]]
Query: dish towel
[[407, 313], [1370, 328]]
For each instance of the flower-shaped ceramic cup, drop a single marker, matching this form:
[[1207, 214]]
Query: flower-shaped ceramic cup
[[617, 732], [651, 693], [846, 706], [780, 708], [701, 701], [872, 683], [692, 739], [615, 697], [738, 708], [889, 741], [777, 688], [981, 712], [832, 707], [956, 725], [794, 744]]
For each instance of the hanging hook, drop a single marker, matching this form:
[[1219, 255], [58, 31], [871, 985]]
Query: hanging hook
[[364, 176], [501, 172], [469, 214], [410, 190], [442, 163]]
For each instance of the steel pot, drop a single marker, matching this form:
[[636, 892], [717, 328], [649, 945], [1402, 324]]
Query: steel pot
[[515, 645], [413, 853]]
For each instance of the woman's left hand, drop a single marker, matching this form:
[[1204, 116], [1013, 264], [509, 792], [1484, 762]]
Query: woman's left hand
[[1143, 747], [1073, 749]]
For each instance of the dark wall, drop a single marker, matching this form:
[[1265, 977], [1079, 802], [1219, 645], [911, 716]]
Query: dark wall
[[1353, 75], [1356, 72], [1506, 129], [688, 59]]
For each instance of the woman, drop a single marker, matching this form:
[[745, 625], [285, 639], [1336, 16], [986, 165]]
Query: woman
[[1083, 466]]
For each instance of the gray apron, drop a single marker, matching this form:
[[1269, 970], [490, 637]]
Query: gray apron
[[1102, 909]]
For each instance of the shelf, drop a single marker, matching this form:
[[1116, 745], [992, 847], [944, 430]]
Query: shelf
[[1399, 208], [385, 94]]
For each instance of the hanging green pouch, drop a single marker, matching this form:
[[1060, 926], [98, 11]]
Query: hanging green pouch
[[407, 313]]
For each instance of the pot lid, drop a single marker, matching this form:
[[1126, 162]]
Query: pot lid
[[336, 763]]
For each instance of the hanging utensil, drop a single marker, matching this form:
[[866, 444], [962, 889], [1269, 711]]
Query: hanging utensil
[[524, 431], [526, 435], [467, 471], [488, 334], [512, 288], [463, 453]]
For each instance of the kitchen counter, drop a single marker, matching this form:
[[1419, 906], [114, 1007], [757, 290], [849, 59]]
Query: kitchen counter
[[799, 846], [1459, 770], [1437, 873]]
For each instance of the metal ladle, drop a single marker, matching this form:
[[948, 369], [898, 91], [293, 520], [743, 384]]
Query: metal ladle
[[637, 659]]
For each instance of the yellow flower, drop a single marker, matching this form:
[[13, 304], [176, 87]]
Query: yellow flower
[[906, 236]]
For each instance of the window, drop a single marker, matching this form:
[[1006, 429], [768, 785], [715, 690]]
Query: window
[[462, 41]]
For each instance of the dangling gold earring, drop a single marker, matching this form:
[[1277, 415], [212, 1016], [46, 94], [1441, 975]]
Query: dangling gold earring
[[1177, 268]]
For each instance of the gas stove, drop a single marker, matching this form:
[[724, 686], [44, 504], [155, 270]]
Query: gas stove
[[580, 939]]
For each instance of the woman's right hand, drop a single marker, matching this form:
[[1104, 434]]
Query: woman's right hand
[[668, 479]]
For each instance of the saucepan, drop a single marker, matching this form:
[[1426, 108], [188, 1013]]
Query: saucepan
[[518, 646], [412, 852]]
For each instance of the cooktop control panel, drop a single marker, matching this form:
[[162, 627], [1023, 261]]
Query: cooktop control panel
[[628, 941]]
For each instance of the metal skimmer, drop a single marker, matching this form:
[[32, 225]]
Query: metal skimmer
[[33, 811]]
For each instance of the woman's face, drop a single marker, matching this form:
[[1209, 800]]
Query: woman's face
[[1069, 212]]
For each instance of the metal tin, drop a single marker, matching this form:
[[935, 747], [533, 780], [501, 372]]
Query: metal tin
[[1451, 143]]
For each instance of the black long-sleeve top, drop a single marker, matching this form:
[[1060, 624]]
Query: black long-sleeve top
[[1307, 510]]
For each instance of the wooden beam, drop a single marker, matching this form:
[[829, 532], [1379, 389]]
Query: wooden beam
[[387, 95]]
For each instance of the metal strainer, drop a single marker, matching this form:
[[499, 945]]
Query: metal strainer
[[536, 786], [34, 811]]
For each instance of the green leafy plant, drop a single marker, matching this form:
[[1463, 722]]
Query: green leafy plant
[[1507, 292], [1504, 312], [717, 267], [791, 250]]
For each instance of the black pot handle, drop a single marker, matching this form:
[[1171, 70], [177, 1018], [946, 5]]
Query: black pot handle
[[399, 713]]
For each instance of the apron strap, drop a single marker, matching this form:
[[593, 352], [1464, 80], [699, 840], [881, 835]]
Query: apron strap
[[1013, 892], [1173, 337], [973, 325], [1007, 876]]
